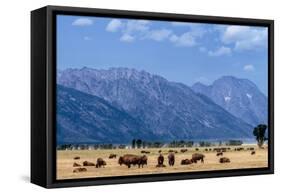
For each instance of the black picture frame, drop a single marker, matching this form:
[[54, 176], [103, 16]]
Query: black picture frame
[[43, 95]]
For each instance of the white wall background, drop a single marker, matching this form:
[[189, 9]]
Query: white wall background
[[15, 94]]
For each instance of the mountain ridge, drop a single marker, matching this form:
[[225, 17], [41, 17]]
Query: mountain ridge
[[169, 110], [240, 97]]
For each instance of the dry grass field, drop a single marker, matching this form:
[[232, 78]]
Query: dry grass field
[[239, 160]]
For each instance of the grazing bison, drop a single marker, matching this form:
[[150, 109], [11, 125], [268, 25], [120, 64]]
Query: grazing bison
[[79, 170], [160, 165], [186, 162], [145, 152], [224, 160], [196, 149], [171, 158], [142, 161], [219, 153], [253, 153], [87, 163], [130, 159], [76, 158], [112, 156], [197, 156], [159, 151], [183, 150], [76, 164], [100, 163], [160, 159]]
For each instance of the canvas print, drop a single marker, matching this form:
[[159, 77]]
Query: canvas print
[[138, 97]]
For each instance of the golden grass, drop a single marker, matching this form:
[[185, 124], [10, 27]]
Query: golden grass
[[239, 160]]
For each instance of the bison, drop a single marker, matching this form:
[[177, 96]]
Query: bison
[[79, 170], [160, 159], [160, 165], [253, 153], [112, 156], [186, 162], [183, 150], [87, 163], [198, 156], [76, 164], [145, 152], [130, 159], [224, 160], [171, 159], [219, 153], [100, 163], [76, 158]]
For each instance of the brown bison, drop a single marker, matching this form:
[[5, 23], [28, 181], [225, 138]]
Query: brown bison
[[145, 152], [159, 151], [196, 149], [76, 164], [76, 158], [112, 156], [87, 163], [130, 159], [197, 156], [183, 150], [79, 170], [224, 160], [160, 166], [253, 153], [186, 162], [219, 153], [171, 159], [100, 163], [160, 159]]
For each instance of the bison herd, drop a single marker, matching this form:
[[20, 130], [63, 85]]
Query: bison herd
[[130, 160]]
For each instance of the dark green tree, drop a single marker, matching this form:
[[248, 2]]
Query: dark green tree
[[133, 143], [139, 142], [259, 133]]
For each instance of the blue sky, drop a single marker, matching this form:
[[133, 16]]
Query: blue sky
[[181, 52]]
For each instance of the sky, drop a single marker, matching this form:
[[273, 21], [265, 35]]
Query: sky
[[178, 51]]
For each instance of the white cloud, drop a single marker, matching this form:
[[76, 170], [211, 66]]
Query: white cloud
[[127, 38], [114, 25], [185, 40], [245, 37], [159, 35], [220, 51], [136, 26], [249, 67], [132, 30], [82, 22]]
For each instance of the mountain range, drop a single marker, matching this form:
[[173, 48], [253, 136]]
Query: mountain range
[[240, 97], [119, 104]]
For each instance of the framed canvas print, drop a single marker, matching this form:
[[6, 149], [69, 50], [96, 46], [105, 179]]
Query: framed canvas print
[[126, 96]]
